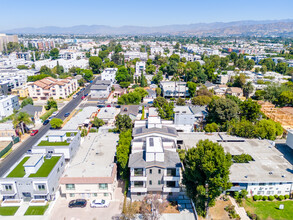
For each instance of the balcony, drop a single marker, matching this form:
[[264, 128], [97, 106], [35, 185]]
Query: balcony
[[171, 178], [171, 189], [40, 192], [138, 178], [138, 189], [8, 193]]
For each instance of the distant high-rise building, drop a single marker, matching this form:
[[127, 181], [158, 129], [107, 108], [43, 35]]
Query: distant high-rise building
[[5, 39]]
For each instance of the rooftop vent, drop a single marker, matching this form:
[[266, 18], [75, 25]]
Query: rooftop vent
[[271, 172], [246, 176], [283, 176]]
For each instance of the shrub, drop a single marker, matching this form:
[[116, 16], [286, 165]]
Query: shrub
[[93, 130], [172, 99], [259, 197], [271, 198], [255, 197], [264, 198], [276, 196], [248, 214], [287, 196], [281, 197]]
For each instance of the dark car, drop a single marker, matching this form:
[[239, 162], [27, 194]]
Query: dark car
[[100, 106], [81, 203], [46, 122], [66, 114]]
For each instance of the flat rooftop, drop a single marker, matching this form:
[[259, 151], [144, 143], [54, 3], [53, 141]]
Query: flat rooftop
[[269, 163], [95, 157]]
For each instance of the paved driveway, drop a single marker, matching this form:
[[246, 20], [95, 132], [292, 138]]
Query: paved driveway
[[62, 212]]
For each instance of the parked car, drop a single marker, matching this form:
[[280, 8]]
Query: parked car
[[86, 95], [100, 106], [108, 105], [100, 203], [55, 113], [82, 97], [81, 203], [34, 132], [118, 106], [50, 118], [66, 114], [46, 122], [74, 96]]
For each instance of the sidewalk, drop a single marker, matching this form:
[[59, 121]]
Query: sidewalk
[[22, 209], [239, 210]]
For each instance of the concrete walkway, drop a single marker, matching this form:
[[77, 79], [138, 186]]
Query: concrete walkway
[[22, 209], [239, 210]]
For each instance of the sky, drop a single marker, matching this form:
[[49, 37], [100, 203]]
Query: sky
[[65, 13]]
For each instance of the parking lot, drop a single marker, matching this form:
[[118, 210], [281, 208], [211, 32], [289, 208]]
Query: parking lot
[[62, 212]]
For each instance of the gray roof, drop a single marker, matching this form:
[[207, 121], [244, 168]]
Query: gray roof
[[99, 87], [31, 110], [103, 82], [197, 109], [171, 159], [130, 109], [164, 130]]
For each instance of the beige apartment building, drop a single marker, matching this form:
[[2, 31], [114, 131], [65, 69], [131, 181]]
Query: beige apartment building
[[5, 39], [49, 87]]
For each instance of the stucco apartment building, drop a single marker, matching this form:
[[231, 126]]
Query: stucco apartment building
[[155, 167], [92, 172], [7, 105], [49, 87]]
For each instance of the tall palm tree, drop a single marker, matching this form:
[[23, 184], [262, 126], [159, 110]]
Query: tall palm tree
[[21, 119]]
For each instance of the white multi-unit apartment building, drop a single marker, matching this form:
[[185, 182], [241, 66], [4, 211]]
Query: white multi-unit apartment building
[[109, 74], [49, 87], [7, 105], [139, 68], [174, 89], [67, 64]]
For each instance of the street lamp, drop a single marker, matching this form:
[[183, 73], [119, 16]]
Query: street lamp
[[207, 200]]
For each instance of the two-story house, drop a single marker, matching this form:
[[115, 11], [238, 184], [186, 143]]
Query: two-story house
[[34, 176], [109, 74]]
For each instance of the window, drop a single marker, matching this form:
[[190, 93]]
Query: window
[[159, 182], [151, 171], [138, 172], [171, 172], [106, 194], [138, 183], [171, 184], [8, 187], [71, 194], [139, 194], [41, 187], [103, 186], [70, 186], [159, 171], [150, 182]]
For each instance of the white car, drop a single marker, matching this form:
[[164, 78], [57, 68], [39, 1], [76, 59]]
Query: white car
[[74, 96], [55, 113], [100, 203]]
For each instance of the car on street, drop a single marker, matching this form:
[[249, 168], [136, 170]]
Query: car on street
[[66, 114], [55, 113], [46, 122], [108, 105], [78, 203], [100, 203], [74, 96], [50, 118], [100, 106], [83, 97], [34, 132], [118, 106], [86, 95]]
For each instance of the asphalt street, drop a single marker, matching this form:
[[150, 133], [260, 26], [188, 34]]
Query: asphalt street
[[15, 155]]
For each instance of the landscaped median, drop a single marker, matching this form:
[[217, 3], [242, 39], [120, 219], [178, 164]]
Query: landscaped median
[[48, 114], [8, 211]]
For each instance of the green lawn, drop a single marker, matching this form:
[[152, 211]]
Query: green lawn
[[18, 171], [46, 168], [68, 134], [36, 210], [8, 210], [270, 210], [48, 143]]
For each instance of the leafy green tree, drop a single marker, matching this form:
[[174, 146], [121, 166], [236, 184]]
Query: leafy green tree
[[286, 98], [239, 80], [282, 68], [98, 122], [259, 94], [151, 69], [248, 89], [21, 119], [143, 93], [241, 64], [263, 69], [243, 128], [222, 110], [123, 75], [224, 61], [160, 101], [87, 75], [268, 129], [158, 91], [250, 110], [46, 70], [206, 166], [269, 63], [203, 91], [191, 88], [56, 123], [158, 78], [143, 80], [36, 77], [212, 127], [250, 64], [180, 101], [95, 64], [165, 109], [103, 54], [124, 84], [27, 101], [54, 53], [123, 122], [51, 103], [201, 100]]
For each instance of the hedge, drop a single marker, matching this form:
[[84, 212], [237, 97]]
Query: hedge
[[48, 114], [6, 149]]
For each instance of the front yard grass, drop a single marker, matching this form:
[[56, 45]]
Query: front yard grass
[[6, 211], [36, 210], [270, 210]]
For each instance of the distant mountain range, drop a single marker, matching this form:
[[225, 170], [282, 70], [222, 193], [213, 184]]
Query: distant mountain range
[[237, 28]]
